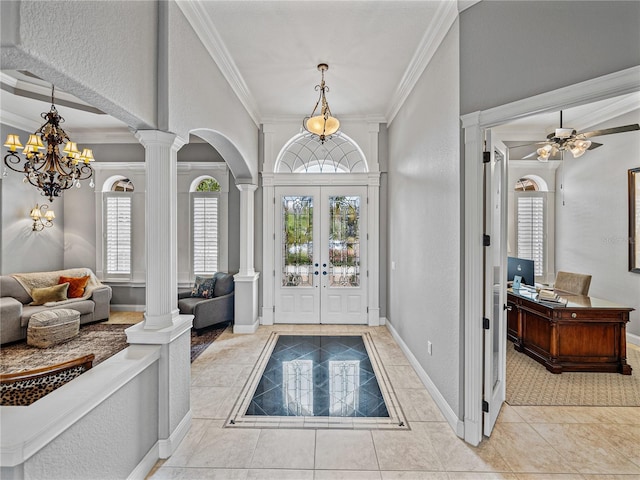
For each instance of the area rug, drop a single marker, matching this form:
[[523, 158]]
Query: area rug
[[530, 383], [102, 339]]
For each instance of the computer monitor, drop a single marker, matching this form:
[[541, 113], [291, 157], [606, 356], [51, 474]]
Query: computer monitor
[[523, 267]]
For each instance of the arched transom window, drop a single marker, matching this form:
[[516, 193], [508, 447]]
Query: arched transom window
[[305, 154]]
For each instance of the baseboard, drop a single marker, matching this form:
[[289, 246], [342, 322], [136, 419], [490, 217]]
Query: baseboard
[[633, 339], [169, 445], [247, 328], [146, 465], [456, 424], [383, 321], [127, 308]]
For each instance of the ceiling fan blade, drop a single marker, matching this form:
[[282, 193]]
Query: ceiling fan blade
[[609, 131], [530, 155], [594, 145]]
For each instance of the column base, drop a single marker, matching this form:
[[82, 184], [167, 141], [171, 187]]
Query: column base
[[246, 303]]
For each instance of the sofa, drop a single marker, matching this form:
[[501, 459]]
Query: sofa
[[16, 299], [217, 309]]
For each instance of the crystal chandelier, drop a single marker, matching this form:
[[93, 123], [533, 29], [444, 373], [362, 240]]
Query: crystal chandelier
[[323, 125], [43, 166]]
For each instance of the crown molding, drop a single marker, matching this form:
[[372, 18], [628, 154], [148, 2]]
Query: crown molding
[[17, 121], [297, 119], [593, 90], [443, 19], [205, 29], [621, 106]]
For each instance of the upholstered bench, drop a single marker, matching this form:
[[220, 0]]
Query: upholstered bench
[[51, 327]]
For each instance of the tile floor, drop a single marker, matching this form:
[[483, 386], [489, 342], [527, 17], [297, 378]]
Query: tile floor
[[528, 443]]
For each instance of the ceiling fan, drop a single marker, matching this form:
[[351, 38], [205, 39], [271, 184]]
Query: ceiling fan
[[577, 143]]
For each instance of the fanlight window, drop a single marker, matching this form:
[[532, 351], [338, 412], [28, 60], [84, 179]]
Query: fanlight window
[[305, 154]]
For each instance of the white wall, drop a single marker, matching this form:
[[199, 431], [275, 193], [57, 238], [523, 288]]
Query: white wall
[[515, 49], [83, 54], [24, 250], [424, 222], [201, 98], [592, 226]]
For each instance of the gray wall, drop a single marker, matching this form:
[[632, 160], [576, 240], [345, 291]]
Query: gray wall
[[592, 225], [24, 250], [511, 50], [424, 222]]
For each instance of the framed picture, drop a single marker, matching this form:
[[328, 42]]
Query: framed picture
[[634, 220]]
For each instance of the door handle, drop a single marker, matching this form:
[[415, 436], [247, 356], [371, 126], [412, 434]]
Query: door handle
[[315, 273], [324, 265], [315, 265], [324, 273], [507, 307]]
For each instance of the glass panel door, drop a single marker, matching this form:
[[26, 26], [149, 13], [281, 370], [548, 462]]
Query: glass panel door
[[297, 297], [344, 253]]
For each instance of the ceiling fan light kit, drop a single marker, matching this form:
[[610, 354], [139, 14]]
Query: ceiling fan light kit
[[568, 139], [323, 125]]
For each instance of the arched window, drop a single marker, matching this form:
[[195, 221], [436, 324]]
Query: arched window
[[305, 154], [531, 213], [205, 225], [117, 195]]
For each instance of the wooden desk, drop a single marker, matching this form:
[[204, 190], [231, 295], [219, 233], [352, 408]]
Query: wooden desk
[[586, 335]]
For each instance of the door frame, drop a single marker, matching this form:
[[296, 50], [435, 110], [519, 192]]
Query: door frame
[[474, 125], [269, 183]]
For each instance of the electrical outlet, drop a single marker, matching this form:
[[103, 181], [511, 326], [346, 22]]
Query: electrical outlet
[[430, 348]]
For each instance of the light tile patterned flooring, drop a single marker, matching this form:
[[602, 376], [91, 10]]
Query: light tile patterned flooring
[[528, 443]]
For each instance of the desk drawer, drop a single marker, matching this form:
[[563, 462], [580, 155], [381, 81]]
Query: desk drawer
[[590, 315]]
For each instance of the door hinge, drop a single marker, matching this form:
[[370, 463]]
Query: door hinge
[[274, 236], [367, 236], [274, 273], [486, 157], [485, 406], [486, 240], [485, 323], [367, 273], [274, 200], [274, 309]]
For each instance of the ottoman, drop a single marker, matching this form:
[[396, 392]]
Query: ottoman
[[51, 327]]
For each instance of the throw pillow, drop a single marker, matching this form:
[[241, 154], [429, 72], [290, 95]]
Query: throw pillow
[[76, 285], [56, 293], [203, 287]]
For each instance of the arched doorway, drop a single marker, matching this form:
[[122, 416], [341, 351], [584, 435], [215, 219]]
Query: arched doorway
[[322, 205]]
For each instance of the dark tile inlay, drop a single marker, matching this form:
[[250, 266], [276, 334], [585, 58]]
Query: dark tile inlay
[[325, 376]]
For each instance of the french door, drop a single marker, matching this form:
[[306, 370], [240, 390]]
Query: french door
[[495, 281], [320, 255]]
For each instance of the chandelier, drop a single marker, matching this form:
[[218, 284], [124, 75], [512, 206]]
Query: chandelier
[[323, 125], [43, 166]]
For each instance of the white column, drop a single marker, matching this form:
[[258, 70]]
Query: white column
[[246, 228], [163, 326], [161, 237], [246, 281]]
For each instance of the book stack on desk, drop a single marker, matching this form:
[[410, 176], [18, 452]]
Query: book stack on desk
[[549, 296]]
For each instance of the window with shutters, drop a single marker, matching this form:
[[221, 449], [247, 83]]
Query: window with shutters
[[117, 231], [530, 228], [205, 202]]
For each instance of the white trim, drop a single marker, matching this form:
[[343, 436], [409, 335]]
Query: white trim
[[204, 27], [445, 16], [633, 339], [448, 413], [474, 124], [601, 88], [168, 446], [146, 464]]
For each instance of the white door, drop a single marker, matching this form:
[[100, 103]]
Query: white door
[[321, 258], [495, 225]]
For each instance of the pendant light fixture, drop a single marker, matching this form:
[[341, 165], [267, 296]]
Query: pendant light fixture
[[43, 166], [323, 124]]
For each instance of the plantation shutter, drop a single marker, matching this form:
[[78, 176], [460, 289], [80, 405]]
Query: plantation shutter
[[205, 234], [530, 229], [118, 234]]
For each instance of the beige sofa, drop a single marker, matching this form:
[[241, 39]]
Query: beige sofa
[[15, 310]]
